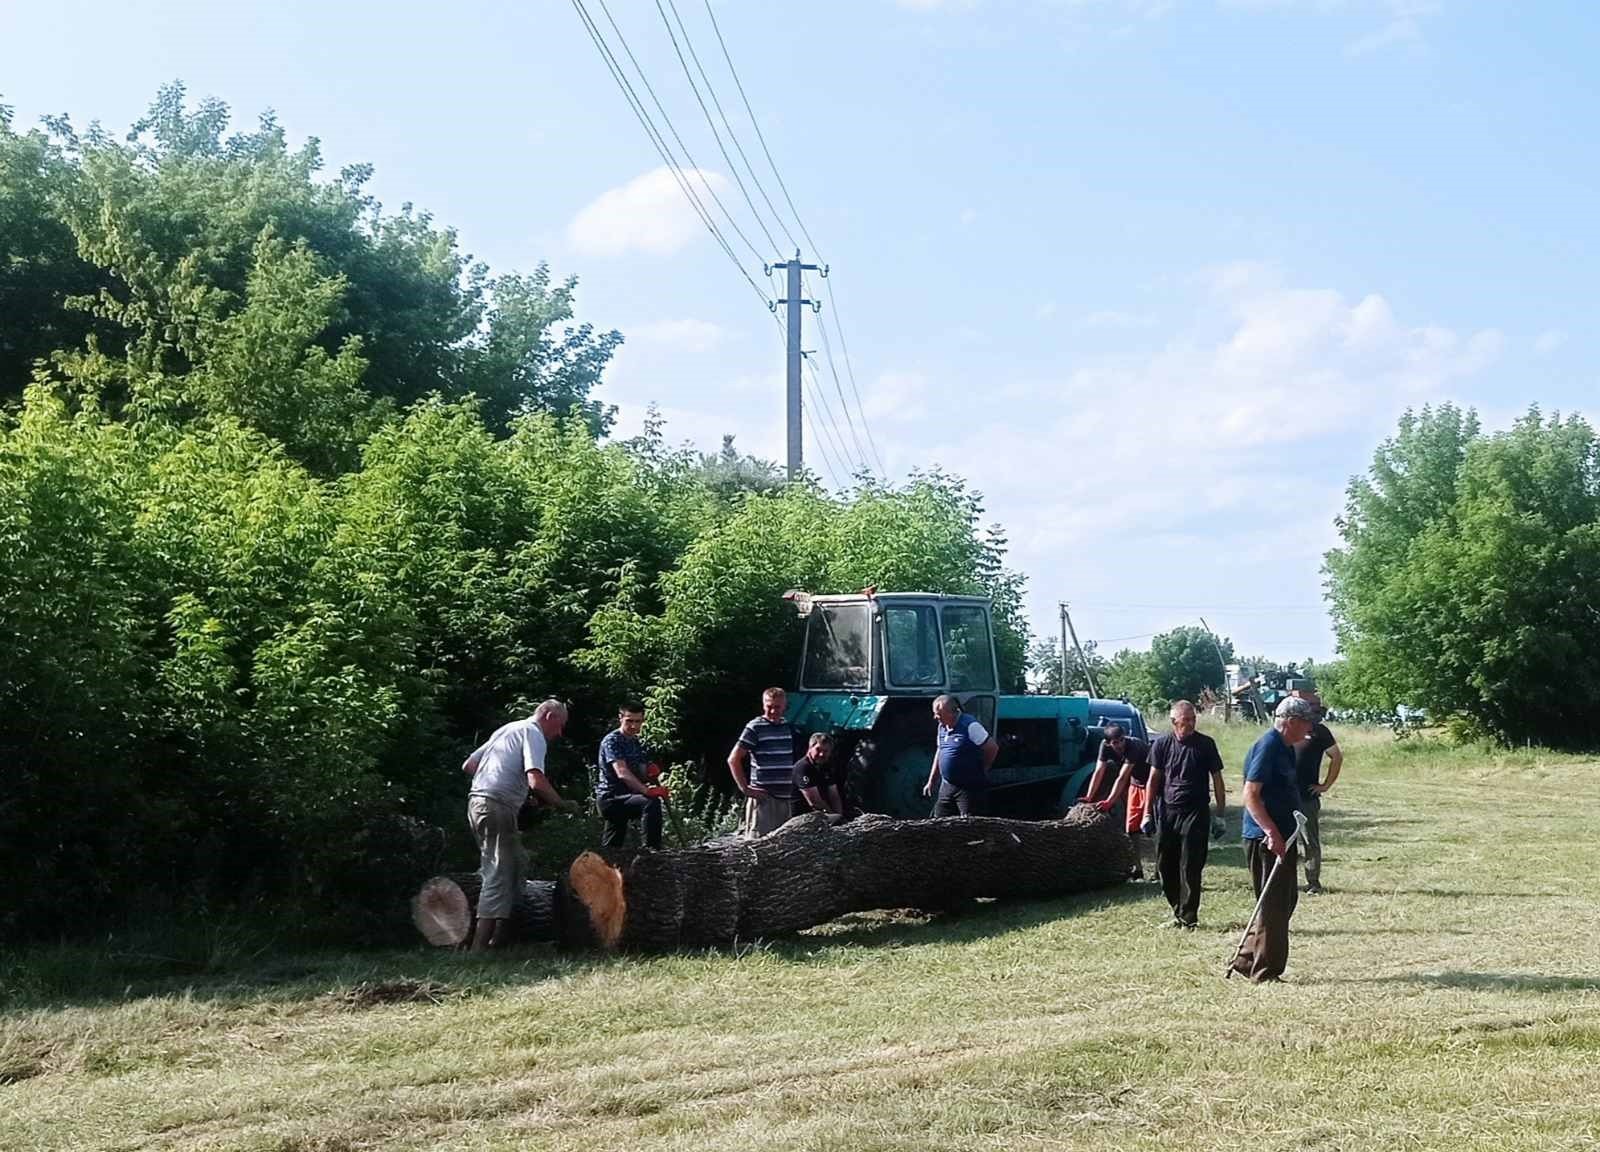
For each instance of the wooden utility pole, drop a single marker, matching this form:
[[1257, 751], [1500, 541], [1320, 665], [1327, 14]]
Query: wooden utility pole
[[1088, 674]]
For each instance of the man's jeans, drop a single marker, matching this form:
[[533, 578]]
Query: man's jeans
[[618, 811]]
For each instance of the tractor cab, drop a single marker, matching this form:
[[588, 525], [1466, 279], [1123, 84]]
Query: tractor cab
[[870, 667], [900, 644]]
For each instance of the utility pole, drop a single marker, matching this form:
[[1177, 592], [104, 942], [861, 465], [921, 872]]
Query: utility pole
[[1063, 648], [1088, 674], [795, 302]]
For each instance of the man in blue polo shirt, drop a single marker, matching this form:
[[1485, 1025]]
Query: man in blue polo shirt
[[1271, 797], [961, 762]]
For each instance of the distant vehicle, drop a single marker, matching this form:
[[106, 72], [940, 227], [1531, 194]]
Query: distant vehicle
[[870, 667]]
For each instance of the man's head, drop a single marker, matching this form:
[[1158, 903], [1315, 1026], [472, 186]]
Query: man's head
[[819, 747], [630, 718], [1182, 717], [774, 703], [1294, 718], [946, 710], [1311, 698], [1115, 736], [551, 717]]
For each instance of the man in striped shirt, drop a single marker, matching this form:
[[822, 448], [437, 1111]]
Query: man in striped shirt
[[762, 764]]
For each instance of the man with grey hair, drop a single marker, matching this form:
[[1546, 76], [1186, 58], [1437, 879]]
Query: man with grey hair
[[1271, 798], [961, 761], [504, 770]]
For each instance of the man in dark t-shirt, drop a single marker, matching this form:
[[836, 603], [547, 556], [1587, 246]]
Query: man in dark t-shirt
[[818, 781], [1125, 760], [1185, 772], [1308, 756]]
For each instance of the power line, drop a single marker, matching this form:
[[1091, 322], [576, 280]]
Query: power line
[[711, 91], [1201, 607], [831, 425], [671, 127], [659, 142], [827, 347], [844, 344]]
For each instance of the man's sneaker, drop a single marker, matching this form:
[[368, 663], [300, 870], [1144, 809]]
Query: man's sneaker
[[1315, 890]]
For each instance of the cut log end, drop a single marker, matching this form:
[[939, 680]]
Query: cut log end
[[598, 887], [442, 913]]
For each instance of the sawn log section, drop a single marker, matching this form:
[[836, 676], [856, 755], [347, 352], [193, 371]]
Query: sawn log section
[[806, 873]]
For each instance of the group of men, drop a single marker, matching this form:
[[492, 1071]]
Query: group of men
[[509, 767], [1173, 787], [1175, 791]]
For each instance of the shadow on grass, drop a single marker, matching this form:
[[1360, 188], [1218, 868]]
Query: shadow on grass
[[1380, 932], [1445, 893], [1488, 981], [84, 976]]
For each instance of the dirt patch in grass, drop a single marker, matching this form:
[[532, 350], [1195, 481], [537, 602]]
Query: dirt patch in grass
[[373, 993]]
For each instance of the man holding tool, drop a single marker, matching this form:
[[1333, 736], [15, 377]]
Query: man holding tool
[[1271, 806], [624, 789]]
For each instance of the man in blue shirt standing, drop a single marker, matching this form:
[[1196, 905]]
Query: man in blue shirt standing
[[1271, 797], [762, 766], [962, 761], [621, 788]]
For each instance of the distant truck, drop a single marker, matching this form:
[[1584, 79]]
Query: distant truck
[[870, 667]]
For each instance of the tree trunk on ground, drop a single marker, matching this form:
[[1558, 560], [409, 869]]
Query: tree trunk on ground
[[806, 873], [443, 910]]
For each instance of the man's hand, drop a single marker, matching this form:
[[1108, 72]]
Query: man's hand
[[1148, 828], [657, 792], [1219, 828], [1319, 789], [1104, 806], [652, 771], [756, 792], [1275, 843], [927, 789]]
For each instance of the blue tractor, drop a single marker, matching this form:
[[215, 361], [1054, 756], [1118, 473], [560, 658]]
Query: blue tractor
[[870, 667]]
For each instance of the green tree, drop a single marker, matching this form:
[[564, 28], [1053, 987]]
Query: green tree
[[1186, 661], [1132, 675], [1466, 581]]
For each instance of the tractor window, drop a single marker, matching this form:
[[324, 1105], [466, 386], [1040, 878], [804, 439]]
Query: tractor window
[[968, 649], [911, 633], [837, 640]]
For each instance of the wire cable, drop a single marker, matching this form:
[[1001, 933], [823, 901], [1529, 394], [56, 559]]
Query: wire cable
[[659, 142], [671, 127], [838, 387], [712, 124]]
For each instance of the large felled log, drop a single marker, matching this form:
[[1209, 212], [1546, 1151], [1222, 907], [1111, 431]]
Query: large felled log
[[443, 910], [809, 872]]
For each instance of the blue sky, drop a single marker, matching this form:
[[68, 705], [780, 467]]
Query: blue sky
[[1155, 275]]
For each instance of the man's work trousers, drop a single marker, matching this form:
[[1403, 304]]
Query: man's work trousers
[[502, 862], [1311, 841], [619, 811], [1181, 846], [1266, 948], [763, 814], [954, 801]]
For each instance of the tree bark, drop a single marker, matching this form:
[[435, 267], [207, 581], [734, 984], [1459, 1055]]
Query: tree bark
[[444, 907], [806, 873]]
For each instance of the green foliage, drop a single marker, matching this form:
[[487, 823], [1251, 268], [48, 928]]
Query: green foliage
[[1044, 668], [1465, 583], [1132, 675], [298, 505], [1188, 660]]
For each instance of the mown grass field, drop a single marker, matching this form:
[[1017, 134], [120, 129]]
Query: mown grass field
[[1445, 994]]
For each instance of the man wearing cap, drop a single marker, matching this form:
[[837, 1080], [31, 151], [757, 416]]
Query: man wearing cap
[[1271, 798], [1129, 758], [1308, 767]]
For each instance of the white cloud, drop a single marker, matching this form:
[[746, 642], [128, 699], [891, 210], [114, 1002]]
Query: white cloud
[[648, 214], [684, 335], [897, 397], [968, 215], [1549, 341]]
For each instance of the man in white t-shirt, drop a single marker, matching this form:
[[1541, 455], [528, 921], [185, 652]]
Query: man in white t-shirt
[[504, 770]]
